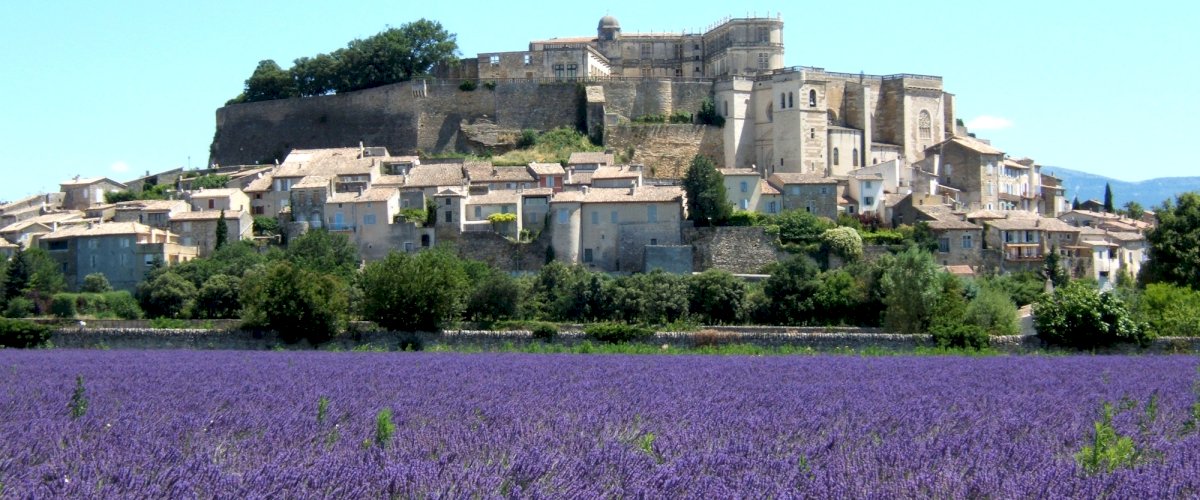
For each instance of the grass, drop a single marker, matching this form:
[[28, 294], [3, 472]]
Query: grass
[[589, 347]]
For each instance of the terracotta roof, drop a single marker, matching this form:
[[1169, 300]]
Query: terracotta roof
[[434, 175], [1126, 236], [389, 180], [867, 176], [378, 193], [1013, 164], [215, 193], [44, 219], [259, 185], [569, 39], [327, 162], [106, 229], [542, 169], [767, 188], [5, 244], [590, 157], [485, 172], [312, 181], [503, 197], [88, 181], [537, 192], [974, 144], [250, 171], [205, 215], [153, 205], [451, 191], [943, 218], [643, 194], [1033, 224], [615, 173], [986, 214], [785, 179], [962, 270], [737, 171], [579, 178], [891, 199]]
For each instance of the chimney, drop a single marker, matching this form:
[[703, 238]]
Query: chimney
[[632, 189], [585, 188]]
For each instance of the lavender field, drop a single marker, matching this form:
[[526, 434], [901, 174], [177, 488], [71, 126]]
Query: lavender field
[[294, 424]]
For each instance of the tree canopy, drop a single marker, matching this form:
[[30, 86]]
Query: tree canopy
[[391, 56], [1173, 244], [705, 189]]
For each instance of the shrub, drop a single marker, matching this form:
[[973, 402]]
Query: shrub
[[1079, 316], [543, 331], [18, 307], [296, 303], [496, 296], [96, 283], [167, 295], [419, 292], [615, 333], [489, 85], [708, 114], [218, 298], [467, 86], [1171, 310], [716, 297], [992, 311], [122, 305], [960, 336], [63, 305], [22, 334], [843, 242], [747, 218], [527, 139], [266, 225]]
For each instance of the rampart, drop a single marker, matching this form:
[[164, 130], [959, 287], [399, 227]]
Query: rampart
[[429, 115]]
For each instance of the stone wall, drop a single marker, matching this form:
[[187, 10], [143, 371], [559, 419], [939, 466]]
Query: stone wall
[[739, 250], [818, 339], [501, 252], [666, 149], [428, 116]]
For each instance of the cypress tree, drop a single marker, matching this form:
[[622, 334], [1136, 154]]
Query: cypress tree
[[222, 231], [1108, 198]]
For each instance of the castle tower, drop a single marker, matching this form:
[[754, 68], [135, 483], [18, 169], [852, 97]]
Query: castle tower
[[609, 30]]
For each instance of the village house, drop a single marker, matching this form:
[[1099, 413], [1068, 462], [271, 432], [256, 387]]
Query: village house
[[812, 193], [479, 209], [123, 251], [29, 207], [79, 194], [424, 181], [372, 222], [220, 199], [498, 178], [27, 232], [1103, 220], [548, 175], [959, 242], [970, 166], [1021, 242], [608, 229], [154, 213], [199, 228], [746, 190]]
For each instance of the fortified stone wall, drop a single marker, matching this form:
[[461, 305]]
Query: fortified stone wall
[[428, 115], [501, 252], [739, 250], [666, 149]]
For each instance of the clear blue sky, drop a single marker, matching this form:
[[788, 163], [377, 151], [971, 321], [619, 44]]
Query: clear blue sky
[[121, 87]]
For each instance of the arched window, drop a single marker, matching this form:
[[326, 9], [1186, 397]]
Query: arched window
[[770, 111], [835, 156], [812, 98], [782, 100], [925, 125], [855, 160], [726, 109], [791, 100]]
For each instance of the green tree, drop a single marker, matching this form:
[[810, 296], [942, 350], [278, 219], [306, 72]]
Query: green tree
[[495, 296], [911, 287], [222, 235], [1174, 243], [993, 311], [269, 82], [839, 299], [96, 283], [314, 76], [716, 297], [1075, 203], [705, 189], [1079, 316], [219, 297], [798, 226], [265, 225], [210, 181], [791, 289], [414, 292], [296, 303], [324, 252], [1053, 270], [708, 114], [1108, 198], [1171, 310], [394, 55], [166, 295], [656, 297], [1134, 210], [35, 275]]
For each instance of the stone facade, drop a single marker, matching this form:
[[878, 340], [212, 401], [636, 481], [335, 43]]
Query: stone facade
[[666, 150], [740, 250]]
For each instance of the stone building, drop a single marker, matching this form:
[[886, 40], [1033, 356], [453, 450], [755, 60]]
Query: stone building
[[608, 229], [79, 194], [733, 46], [812, 193], [123, 251], [199, 228]]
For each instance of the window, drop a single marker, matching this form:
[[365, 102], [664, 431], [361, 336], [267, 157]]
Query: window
[[795, 190], [124, 242], [652, 213], [990, 188], [867, 184], [613, 217], [212, 203], [494, 60], [772, 208], [782, 100], [595, 217], [369, 219], [991, 168], [812, 98], [764, 60], [587, 255], [808, 207], [478, 213], [58, 245], [653, 241], [949, 170], [408, 246], [943, 245], [403, 203], [745, 187], [572, 70], [563, 215], [764, 34], [528, 59], [449, 216], [550, 182], [925, 125], [791, 100], [745, 204], [726, 109], [93, 243], [812, 133], [558, 71], [868, 200], [824, 190], [647, 51], [966, 241], [855, 159], [447, 202], [835, 156]]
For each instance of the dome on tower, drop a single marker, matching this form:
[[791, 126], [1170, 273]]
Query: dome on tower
[[609, 22]]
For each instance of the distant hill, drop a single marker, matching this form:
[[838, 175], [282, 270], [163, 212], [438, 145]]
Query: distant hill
[[1149, 193]]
